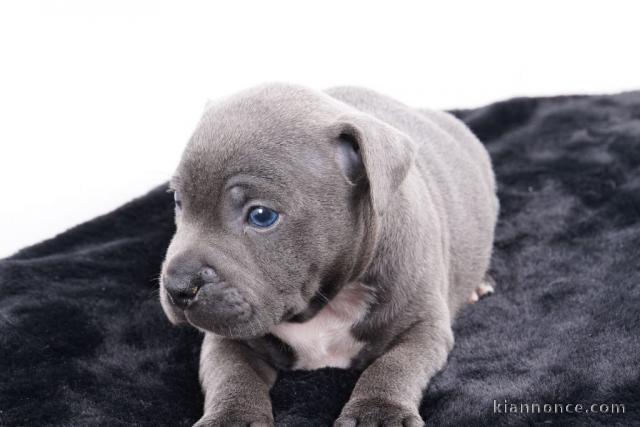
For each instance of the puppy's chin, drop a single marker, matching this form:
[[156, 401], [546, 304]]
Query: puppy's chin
[[250, 328]]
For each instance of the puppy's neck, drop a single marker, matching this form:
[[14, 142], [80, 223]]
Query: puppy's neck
[[326, 340]]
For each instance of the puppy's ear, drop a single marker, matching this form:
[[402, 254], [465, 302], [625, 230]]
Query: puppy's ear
[[373, 150]]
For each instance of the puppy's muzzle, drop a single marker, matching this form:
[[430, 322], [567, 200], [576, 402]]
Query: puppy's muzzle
[[182, 285]]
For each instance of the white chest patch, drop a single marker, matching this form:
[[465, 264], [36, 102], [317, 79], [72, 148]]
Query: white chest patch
[[326, 339]]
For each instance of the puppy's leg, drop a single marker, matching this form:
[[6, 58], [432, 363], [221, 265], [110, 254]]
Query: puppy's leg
[[235, 383], [390, 389]]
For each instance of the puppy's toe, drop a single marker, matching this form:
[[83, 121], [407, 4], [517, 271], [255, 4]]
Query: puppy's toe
[[345, 422], [377, 412], [485, 287], [234, 420]]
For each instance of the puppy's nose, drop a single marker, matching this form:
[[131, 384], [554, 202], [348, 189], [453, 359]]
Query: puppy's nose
[[183, 287]]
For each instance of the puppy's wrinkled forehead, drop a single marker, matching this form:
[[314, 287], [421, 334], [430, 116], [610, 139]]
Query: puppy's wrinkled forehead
[[280, 134]]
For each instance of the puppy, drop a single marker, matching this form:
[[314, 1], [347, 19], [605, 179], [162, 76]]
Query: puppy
[[338, 228]]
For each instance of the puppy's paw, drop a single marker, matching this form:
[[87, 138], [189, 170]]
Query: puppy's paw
[[375, 412], [235, 420]]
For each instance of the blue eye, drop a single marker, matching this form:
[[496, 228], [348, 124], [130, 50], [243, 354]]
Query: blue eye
[[176, 199], [262, 217]]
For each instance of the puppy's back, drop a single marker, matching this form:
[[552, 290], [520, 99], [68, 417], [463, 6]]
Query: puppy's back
[[453, 163]]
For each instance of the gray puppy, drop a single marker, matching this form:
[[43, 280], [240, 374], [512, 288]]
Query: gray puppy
[[338, 228]]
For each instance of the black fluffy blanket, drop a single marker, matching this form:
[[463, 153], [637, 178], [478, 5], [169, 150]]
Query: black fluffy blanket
[[83, 340]]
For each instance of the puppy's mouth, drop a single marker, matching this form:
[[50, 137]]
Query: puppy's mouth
[[221, 309]]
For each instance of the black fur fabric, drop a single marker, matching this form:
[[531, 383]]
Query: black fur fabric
[[83, 340]]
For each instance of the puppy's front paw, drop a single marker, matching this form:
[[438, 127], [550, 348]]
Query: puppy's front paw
[[232, 419], [377, 412]]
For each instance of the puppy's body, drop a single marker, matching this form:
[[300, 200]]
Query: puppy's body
[[409, 197]]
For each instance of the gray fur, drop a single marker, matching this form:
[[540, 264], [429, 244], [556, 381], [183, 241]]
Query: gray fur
[[409, 215]]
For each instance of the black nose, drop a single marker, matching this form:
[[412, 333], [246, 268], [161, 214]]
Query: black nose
[[183, 285]]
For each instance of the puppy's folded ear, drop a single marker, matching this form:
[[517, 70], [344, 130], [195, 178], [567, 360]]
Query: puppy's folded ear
[[373, 150]]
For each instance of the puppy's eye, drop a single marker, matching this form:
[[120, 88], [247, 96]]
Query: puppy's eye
[[176, 199], [262, 217]]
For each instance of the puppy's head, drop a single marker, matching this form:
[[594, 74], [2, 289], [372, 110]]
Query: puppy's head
[[278, 196]]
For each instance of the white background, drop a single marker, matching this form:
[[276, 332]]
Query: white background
[[97, 98]]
